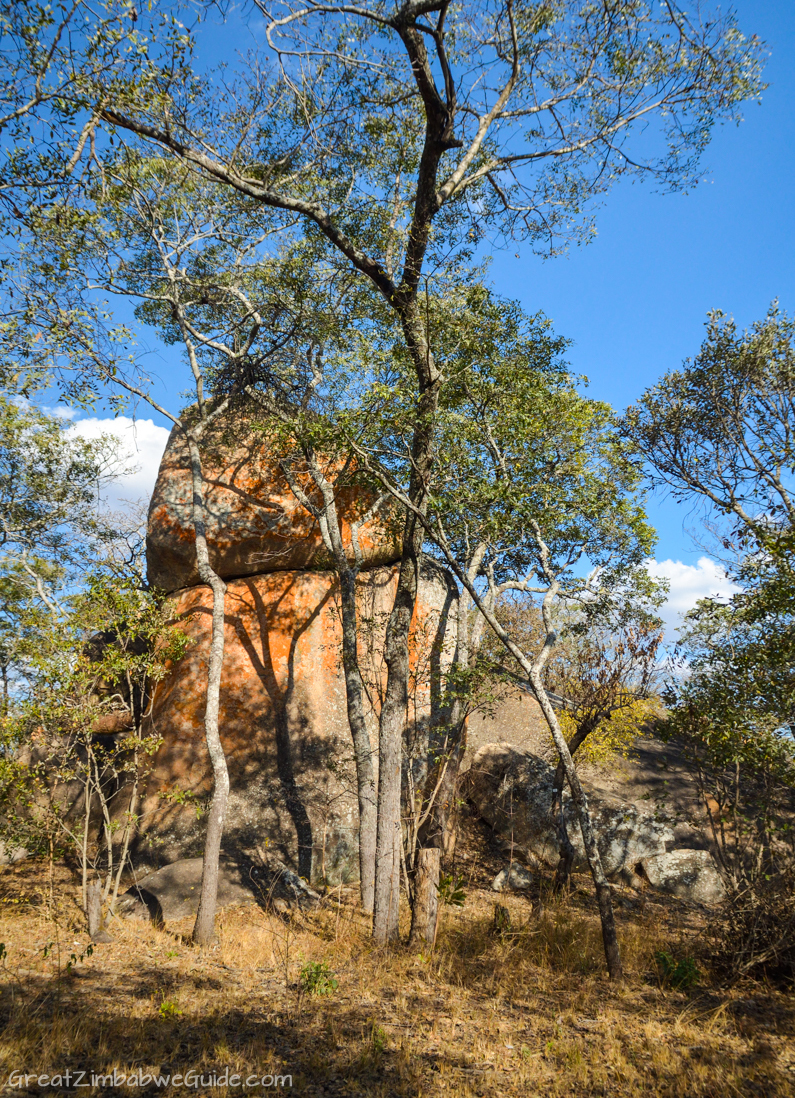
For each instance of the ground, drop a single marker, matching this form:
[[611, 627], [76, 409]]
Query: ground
[[526, 1010]]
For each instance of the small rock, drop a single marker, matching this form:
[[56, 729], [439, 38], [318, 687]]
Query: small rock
[[513, 878], [10, 855], [688, 874]]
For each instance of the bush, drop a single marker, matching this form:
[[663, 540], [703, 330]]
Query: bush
[[754, 933], [318, 979], [679, 975]]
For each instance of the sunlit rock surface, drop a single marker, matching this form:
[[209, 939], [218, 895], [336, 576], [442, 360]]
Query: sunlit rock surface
[[254, 522]]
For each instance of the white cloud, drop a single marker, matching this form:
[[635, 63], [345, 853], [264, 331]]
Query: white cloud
[[689, 583], [142, 444]]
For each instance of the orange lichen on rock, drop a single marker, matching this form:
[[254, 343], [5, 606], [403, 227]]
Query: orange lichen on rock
[[255, 524], [283, 715]]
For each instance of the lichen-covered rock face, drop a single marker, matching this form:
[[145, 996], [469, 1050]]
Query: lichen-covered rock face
[[254, 522], [513, 790], [283, 715], [689, 874]]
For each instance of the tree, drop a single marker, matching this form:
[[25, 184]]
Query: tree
[[731, 706], [124, 246], [539, 495], [720, 432], [74, 736], [51, 526], [396, 136], [602, 675]]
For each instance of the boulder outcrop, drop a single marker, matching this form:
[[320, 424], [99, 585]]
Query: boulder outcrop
[[254, 522], [512, 790], [283, 715]]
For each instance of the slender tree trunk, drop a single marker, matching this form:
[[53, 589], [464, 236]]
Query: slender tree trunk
[[396, 645], [567, 852], [603, 894], [328, 521], [363, 751], [436, 831], [390, 751], [96, 930], [204, 927], [425, 910]]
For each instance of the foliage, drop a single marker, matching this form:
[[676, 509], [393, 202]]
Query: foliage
[[681, 975], [494, 108], [76, 743], [603, 669], [169, 1008], [753, 933], [317, 978], [51, 529], [451, 890], [721, 430], [615, 735]]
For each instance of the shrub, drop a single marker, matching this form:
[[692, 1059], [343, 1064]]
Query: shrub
[[317, 978], [754, 932]]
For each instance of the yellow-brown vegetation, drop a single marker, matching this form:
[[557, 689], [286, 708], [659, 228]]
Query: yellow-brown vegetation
[[521, 1010]]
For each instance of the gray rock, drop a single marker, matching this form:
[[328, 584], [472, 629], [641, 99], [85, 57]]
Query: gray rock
[[689, 874], [513, 791], [173, 892], [513, 878], [10, 855]]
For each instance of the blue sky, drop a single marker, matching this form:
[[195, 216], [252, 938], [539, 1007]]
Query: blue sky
[[634, 301]]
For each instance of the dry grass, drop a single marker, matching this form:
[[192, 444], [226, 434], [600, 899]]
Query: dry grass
[[524, 1012]]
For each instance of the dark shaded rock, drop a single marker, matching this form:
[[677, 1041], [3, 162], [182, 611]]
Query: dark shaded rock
[[513, 791], [173, 892]]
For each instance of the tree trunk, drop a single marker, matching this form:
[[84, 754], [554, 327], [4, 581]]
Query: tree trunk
[[204, 927], [363, 751], [392, 724], [328, 521], [567, 852], [94, 912], [390, 740], [603, 895], [425, 911]]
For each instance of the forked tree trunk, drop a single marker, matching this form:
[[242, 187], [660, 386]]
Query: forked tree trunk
[[204, 927], [425, 910]]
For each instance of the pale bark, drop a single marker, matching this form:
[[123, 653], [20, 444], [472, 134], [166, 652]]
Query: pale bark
[[390, 737], [425, 910], [204, 927], [328, 522], [96, 930], [534, 671]]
